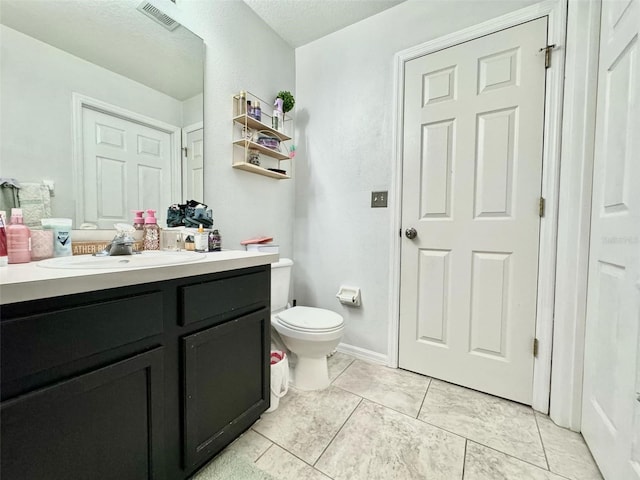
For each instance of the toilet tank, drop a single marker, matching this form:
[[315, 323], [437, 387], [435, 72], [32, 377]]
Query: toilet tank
[[280, 280]]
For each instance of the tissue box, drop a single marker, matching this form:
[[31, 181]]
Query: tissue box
[[263, 247]]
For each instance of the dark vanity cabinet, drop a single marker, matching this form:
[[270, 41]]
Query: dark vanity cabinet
[[141, 382]]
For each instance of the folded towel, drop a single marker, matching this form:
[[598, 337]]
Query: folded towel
[[8, 194], [35, 201]]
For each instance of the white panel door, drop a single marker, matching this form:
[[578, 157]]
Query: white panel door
[[127, 166], [472, 163], [611, 399], [194, 166]]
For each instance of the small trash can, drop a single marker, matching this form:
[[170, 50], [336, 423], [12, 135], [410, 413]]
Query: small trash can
[[279, 378]]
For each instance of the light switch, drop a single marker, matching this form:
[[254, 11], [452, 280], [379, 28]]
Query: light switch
[[379, 199]]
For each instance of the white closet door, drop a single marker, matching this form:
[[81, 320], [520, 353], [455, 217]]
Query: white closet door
[[611, 400]]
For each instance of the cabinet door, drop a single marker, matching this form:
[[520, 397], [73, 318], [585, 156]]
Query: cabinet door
[[226, 372], [106, 424]]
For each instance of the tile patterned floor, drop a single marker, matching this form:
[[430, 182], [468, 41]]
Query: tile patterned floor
[[374, 423]]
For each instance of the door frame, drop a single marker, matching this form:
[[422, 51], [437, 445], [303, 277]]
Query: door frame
[[556, 11], [80, 101], [183, 160]]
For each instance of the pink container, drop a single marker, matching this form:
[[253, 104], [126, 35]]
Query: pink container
[[18, 239], [41, 244]]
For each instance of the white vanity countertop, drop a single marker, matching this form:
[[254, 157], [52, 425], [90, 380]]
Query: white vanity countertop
[[28, 281]]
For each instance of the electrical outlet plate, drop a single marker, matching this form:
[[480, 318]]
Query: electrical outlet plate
[[379, 199]]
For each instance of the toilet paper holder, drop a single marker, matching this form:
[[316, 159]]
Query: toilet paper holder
[[349, 296]]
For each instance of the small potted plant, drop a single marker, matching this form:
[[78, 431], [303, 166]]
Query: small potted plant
[[287, 100]]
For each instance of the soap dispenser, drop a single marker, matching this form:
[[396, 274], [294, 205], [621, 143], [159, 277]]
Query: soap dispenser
[[18, 239], [138, 221], [151, 238]]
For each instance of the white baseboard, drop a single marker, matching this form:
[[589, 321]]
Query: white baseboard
[[363, 354]]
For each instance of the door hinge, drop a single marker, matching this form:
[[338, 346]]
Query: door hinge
[[541, 207], [184, 151], [547, 54], [535, 347], [400, 233]]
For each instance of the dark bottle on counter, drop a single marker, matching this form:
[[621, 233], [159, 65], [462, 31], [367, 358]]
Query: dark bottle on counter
[[215, 241], [257, 112]]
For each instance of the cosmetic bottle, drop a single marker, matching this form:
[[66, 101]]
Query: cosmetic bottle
[[257, 112], [277, 120], [3, 241], [201, 244], [151, 238], [18, 239], [215, 241], [138, 221], [243, 103]]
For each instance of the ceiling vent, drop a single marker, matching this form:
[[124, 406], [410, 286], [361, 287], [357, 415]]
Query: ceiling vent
[[156, 15]]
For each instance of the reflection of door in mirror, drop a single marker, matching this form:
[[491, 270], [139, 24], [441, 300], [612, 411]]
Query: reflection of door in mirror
[[193, 162], [126, 166], [138, 66]]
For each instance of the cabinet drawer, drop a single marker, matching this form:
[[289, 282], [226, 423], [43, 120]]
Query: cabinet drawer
[[218, 298], [35, 343]]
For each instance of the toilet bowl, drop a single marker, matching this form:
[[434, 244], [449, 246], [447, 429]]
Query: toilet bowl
[[310, 333]]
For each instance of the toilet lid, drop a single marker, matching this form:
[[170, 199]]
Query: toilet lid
[[310, 319]]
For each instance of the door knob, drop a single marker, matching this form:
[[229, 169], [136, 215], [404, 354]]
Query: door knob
[[411, 233]]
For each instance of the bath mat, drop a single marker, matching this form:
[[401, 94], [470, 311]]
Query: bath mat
[[231, 466]]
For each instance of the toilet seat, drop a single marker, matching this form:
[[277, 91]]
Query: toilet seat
[[310, 320]]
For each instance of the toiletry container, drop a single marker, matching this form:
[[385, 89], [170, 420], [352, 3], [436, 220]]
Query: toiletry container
[[41, 244], [257, 112], [277, 120], [138, 221], [215, 241], [243, 103], [4, 260], [18, 239], [201, 240], [61, 235], [151, 238]]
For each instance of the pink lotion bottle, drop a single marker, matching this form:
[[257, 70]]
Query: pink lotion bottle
[[18, 238]]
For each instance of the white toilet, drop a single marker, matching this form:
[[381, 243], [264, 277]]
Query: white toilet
[[310, 333]]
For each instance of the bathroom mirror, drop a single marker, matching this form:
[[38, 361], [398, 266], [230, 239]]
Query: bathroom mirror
[[103, 101]]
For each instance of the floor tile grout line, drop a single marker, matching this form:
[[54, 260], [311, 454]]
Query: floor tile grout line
[[337, 433], [517, 458], [464, 457], [262, 454], [401, 413], [344, 370], [288, 451], [544, 449], [424, 398], [441, 428]]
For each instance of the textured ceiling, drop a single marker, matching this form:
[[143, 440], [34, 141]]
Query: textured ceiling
[[114, 35], [302, 21]]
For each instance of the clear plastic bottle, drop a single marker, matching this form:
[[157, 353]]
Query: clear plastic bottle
[[151, 238], [18, 238]]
